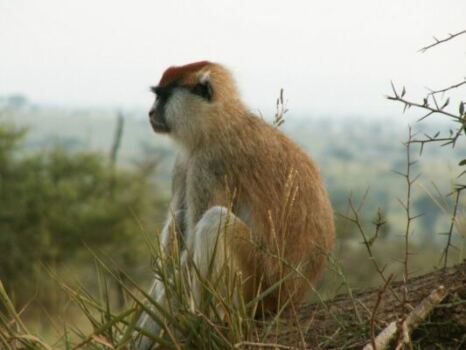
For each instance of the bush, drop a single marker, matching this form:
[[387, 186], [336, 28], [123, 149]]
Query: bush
[[55, 202]]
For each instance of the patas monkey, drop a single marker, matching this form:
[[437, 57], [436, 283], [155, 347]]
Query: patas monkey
[[240, 181]]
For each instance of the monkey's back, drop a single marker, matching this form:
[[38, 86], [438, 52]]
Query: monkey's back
[[281, 196]]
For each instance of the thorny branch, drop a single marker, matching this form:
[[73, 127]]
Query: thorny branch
[[451, 87], [431, 106], [441, 41], [410, 180], [452, 224], [368, 242]]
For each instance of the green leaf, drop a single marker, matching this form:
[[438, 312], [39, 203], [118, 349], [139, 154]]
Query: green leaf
[[463, 162]]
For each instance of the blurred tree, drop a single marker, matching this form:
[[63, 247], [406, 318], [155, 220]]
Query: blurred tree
[[53, 202], [17, 101]]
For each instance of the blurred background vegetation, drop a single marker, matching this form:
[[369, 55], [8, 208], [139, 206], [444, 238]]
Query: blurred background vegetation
[[56, 202]]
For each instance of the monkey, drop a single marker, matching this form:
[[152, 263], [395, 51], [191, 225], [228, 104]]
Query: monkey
[[239, 180]]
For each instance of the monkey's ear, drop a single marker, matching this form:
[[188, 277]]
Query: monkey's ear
[[204, 88]]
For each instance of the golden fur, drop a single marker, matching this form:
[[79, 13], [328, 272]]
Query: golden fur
[[282, 219], [229, 154]]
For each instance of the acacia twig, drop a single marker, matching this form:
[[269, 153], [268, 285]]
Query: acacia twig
[[450, 230], [441, 41], [451, 87], [425, 105], [368, 242], [409, 217], [431, 107]]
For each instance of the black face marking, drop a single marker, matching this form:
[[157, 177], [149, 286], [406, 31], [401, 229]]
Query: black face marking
[[157, 114], [162, 92], [203, 90]]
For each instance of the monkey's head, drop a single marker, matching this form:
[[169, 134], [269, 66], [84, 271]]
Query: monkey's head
[[189, 98]]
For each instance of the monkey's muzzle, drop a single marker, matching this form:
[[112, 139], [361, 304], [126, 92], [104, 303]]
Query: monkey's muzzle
[[158, 122]]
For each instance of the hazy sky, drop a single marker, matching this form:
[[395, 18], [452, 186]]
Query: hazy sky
[[331, 57]]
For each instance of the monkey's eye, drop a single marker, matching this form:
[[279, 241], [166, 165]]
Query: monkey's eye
[[160, 91], [154, 90], [203, 90]]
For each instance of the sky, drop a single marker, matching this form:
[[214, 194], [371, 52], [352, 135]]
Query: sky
[[331, 57]]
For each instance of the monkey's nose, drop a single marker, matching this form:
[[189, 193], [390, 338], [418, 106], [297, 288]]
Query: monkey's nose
[[151, 113]]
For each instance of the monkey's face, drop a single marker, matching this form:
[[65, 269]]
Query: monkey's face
[[178, 104]]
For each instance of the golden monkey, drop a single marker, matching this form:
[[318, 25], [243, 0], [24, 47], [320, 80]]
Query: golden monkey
[[241, 178]]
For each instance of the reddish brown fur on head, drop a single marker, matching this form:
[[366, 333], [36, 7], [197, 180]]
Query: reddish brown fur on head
[[180, 73], [219, 77]]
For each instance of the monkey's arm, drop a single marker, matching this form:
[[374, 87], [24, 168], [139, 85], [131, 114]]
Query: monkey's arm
[[170, 235], [175, 225], [207, 188]]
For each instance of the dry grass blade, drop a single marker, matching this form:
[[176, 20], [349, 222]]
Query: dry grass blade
[[248, 344]]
